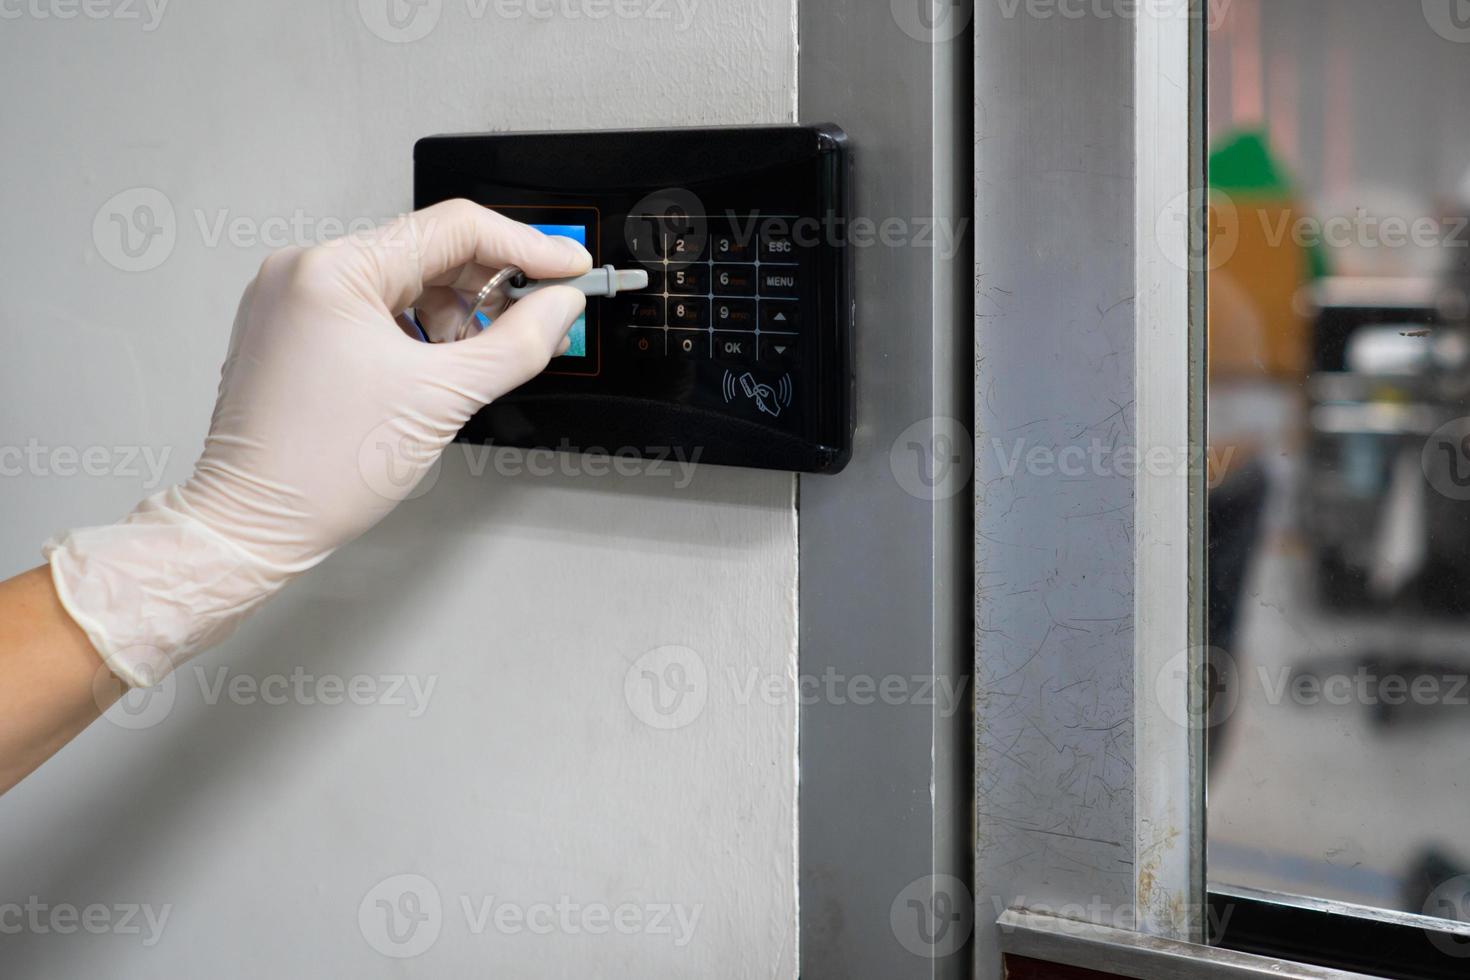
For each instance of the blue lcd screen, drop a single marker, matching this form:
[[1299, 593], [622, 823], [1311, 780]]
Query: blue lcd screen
[[578, 333]]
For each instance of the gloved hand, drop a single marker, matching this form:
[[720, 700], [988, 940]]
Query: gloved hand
[[328, 415]]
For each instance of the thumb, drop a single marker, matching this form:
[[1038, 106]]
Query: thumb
[[513, 349]]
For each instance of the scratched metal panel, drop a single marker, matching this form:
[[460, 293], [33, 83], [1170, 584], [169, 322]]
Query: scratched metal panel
[[1054, 413], [885, 797], [1168, 567]]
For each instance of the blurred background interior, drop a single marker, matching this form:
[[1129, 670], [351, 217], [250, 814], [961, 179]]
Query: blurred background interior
[[1339, 391]]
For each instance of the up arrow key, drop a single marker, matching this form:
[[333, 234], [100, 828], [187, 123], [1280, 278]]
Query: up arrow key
[[783, 316]]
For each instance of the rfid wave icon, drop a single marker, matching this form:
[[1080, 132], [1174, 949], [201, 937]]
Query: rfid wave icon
[[769, 401]]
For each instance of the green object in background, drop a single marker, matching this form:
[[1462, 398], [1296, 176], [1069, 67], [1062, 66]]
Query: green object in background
[[1241, 165]]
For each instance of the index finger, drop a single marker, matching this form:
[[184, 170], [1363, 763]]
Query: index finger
[[429, 247]]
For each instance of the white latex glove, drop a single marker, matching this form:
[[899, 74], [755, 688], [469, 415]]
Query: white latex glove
[[328, 415]]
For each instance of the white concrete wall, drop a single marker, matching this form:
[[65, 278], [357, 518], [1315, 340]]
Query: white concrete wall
[[530, 778]]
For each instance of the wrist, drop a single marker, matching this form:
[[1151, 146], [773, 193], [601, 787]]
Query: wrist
[[158, 588]]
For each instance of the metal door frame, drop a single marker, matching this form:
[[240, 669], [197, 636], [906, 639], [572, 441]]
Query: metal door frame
[[885, 804], [1089, 327], [1078, 597]]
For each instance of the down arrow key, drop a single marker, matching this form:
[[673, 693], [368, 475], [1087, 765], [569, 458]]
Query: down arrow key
[[778, 350]]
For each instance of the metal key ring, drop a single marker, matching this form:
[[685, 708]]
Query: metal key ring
[[496, 284]]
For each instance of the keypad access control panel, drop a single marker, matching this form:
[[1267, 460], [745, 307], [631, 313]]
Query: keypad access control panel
[[739, 350], [719, 295]]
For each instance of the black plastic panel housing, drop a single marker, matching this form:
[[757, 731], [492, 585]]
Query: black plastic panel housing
[[740, 351]]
